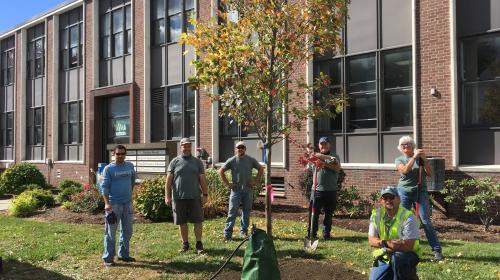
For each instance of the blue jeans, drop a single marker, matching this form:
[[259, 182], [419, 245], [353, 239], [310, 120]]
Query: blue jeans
[[124, 217], [408, 200], [403, 265], [237, 198]]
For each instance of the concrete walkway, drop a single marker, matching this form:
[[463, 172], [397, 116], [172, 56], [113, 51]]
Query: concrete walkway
[[4, 204]]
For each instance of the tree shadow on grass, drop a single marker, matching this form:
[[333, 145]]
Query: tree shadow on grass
[[491, 259], [13, 269]]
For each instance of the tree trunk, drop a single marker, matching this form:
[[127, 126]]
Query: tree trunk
[[269, 124]]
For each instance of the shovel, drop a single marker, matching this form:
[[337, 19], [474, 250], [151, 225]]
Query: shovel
[[309, 244]]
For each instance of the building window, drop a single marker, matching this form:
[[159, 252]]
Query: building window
[[7, 78], [115, 43], [171, 69], [71, 89], [480, 99], [169, 19], [70, 38], [375, 74], [173, 112], [116, 28], [35, 93], [118, 120]]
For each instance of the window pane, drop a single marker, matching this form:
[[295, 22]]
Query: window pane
[[481, 104], [229, 127], [129, 41], [175, 25], [191, 123], [38, 117], [115, 3], [64, 39], [74, 36], [39, 48], [159, 32], [118, 107], [397, 69], [362, 111], [175, 100], [105, 24], [31, 50], [128, 17], [176, 125], [190, 98], [10, 59], [118, 42], [482, 58], [39, 67], [74, 57], [398, 108], [189, 4], [105, 47], [174, 6], [361, 72], [38, 135], [73, 112], [74, 131], [118, 21], [158, 9], [64, 135], [189, 16], [105, 5], [362, 26]]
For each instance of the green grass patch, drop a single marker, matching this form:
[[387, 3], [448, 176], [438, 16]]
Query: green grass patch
[[59, 250]]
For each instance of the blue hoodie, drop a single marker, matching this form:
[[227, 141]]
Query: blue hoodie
[[118, 182]]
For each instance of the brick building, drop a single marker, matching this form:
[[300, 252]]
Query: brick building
[[91, 73]]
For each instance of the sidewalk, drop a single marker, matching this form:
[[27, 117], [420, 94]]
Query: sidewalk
[[4, 204]]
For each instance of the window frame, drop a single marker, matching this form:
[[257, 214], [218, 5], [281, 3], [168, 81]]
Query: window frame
[[110, 35], [7, 48], [65, 48], [184, 13]]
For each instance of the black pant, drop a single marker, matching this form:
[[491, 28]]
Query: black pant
[[326, 201]]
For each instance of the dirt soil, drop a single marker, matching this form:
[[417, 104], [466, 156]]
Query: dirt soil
[[295, 268], [447, 228]]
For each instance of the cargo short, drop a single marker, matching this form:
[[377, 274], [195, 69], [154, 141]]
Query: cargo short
[[187, 211]]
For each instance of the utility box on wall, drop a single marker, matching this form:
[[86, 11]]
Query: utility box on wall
[[435, 182]]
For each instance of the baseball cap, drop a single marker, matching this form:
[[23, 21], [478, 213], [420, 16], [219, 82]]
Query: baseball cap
[[324, 139], [389, 190], [185, 141], [240, 143]]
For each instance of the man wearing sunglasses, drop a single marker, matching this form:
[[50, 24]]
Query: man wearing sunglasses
[[394, 232], [119, 178], [241, 166]]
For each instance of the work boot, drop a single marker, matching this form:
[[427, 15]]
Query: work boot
[[185, 247], [199, 247]]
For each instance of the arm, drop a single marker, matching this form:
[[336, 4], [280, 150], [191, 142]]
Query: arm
[[260, 172], [330, 162], [168, 188], [204, 189], [106, 185], [392, 245], [406, 168], [222, 173]]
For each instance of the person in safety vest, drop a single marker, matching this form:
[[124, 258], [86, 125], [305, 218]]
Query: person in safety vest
[[394, 233]]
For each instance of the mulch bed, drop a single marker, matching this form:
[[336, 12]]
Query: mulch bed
[[296, 268], [447, 228]]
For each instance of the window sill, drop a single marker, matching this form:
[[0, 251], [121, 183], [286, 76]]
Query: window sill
[[34, 161], [69, 162], [368, 166], [6, 161], [478, 168]]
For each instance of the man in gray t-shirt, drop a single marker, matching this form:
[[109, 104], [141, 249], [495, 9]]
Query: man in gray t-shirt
[[186, 190], [241, 166]]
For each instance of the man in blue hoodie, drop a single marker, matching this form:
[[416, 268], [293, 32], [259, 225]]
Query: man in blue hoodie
[[119, 178]]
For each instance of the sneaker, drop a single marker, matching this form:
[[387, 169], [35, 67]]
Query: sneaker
[[438, 256], [108, 263], [199, 247], [126, 259], [185, 247]]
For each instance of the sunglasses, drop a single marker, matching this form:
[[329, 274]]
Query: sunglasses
[[388, 197], [407, 145], [120, 154], [240, 147]]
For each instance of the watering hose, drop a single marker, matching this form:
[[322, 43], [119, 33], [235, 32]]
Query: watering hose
[[228, 259]]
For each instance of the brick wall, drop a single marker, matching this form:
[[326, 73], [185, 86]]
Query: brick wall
[[138, 68]]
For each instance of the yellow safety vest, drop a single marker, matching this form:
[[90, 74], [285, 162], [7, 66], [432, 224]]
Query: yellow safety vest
[[395, 230]]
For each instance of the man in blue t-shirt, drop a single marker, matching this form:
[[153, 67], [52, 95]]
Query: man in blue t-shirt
[[118, 182]]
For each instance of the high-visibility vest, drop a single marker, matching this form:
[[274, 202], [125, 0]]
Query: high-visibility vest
[[395, 231]]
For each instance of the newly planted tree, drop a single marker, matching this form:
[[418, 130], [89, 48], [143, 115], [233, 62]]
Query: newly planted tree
[[251, 52]]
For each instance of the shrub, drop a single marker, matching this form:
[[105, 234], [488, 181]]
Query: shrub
[[29, 201], [480, 196], [70, 184], [65, 194], [15, 179], [149, 199], [305, 182], [218, 194], [349, 202], [89, 200]]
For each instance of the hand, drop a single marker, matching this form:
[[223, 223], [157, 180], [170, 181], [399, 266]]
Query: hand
[[108, 208], [419, 153], [168, 200], [321, 164]]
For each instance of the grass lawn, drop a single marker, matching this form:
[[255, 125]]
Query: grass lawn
[[38, 250]]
